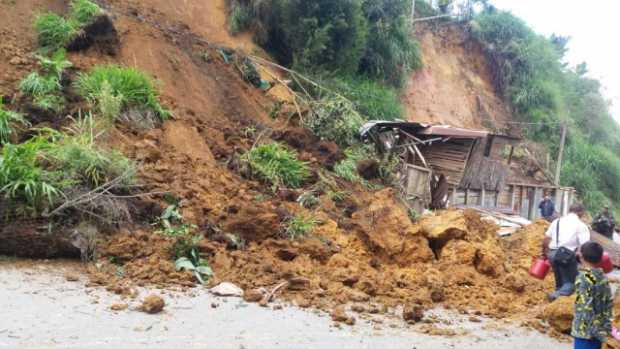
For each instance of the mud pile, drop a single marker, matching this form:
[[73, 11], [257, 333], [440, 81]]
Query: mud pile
[[375, 260]]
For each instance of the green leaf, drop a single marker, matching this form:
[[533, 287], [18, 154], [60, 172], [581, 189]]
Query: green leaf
[[184, 263]]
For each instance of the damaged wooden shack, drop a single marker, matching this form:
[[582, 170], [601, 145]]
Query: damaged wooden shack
[[444, 166]]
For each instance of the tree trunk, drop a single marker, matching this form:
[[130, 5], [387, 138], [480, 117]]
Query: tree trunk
[[36, 239]]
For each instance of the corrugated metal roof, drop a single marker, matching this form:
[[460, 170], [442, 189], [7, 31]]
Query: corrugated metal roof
[[449, 131]]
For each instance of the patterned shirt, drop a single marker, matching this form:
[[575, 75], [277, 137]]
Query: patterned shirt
[[593, 306]]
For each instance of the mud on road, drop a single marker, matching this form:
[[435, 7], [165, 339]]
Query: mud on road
[[44, 307]]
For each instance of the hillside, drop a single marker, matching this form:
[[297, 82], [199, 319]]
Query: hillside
[[211, 171], [455, 85]]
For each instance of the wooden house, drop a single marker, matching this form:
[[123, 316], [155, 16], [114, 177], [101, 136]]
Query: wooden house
[[449, 166]]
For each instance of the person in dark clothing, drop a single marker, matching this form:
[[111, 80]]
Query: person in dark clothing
[[547, 208], [605, 223], [562, 241]]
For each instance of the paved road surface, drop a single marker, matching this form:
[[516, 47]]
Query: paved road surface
[[41, 309]]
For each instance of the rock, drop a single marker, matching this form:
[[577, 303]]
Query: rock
[[227, 289], [350, 321], [287, 254], [358, 296], [413, 312], [119, 306], [302, 302], [153, 304], [358, 308], [72, 277], [339, 314], [299, 283], [350, 280], [437, 294], [253, 296]]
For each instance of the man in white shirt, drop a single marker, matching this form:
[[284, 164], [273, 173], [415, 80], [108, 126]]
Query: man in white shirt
[[562, 241]]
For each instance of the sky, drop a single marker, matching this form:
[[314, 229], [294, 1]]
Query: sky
[[593, 27]]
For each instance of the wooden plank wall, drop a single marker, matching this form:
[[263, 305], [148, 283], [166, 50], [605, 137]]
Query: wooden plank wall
[[449, 158]]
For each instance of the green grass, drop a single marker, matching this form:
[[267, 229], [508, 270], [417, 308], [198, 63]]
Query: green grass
[[134, 88], [37, 85], [84, 11], [240, 18], [56, 64], [7, 119], [347, 168], [55, 32], [299, 226], [277, 165], [23, 177], [373, 100], [335, 118]]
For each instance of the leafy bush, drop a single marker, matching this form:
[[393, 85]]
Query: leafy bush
[[46, 90], [308, 200], [198, 266], [134, 88], [299, 226], [277, 164], [7, 120], [371, 99], [347, 168], [334, 118], [23, 176]]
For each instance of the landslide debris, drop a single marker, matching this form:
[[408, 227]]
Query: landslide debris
[[451, 258], [153, 304]]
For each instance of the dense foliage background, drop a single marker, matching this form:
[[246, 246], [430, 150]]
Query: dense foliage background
[[544, 91]]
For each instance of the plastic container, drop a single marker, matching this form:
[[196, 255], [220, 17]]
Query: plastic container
[[606, 263], [540, 268]]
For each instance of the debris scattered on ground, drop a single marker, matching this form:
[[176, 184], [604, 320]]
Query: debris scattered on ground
[[227, 289], [72, 277], [153, 304], [559, 314]]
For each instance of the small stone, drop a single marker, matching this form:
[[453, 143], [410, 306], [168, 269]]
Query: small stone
[[72, 277], [298, 284], [119, 306], [253, 296], [413, 313], [153, 304], [339, 314], [350, 321]]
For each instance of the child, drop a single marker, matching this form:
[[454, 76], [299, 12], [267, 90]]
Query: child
[[594, 303]]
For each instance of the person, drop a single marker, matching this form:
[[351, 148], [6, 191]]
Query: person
[[561, 243], [605, 223], [593, 303], [547, 208]]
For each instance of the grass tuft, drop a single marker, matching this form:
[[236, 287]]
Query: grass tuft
[[132, 87], [84, 12], [53, 31], [299, 226], [277, 164]]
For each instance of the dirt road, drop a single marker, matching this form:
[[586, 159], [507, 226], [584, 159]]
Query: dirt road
[[42, 309]]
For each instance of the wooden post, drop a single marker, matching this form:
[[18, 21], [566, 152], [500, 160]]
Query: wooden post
[[558, 169], [412, 12], [483, 197]]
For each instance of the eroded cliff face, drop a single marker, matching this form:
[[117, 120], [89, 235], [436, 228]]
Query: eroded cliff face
[[455, 87]]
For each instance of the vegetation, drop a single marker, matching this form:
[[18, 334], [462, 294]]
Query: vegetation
[[56, 32], [308, 200], [529, 70], [347, 168], [299, 226], [277, 165], [46, 90], [7, 120], [334, 118], [109, 86], [39, 171]]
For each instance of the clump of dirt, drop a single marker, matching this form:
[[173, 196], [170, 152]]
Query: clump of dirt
[[153, 304], [100, 34], [559, 314]]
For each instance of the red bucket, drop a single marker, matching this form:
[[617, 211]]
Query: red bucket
[[606, 263], [540, 268]]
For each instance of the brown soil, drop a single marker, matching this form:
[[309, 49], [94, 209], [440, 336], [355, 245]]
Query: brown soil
[[455, 86], [153, 304]]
